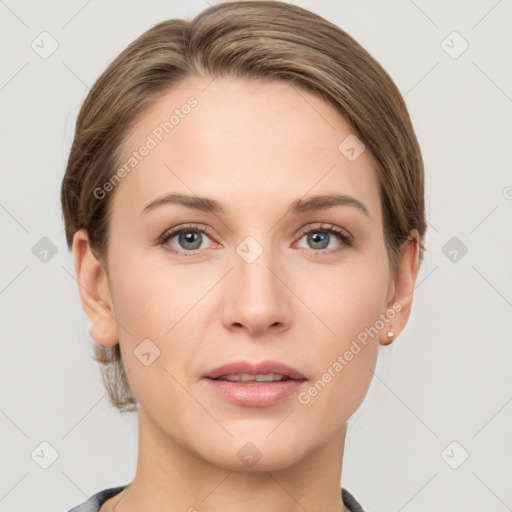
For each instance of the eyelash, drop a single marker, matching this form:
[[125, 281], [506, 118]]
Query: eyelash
[[346, 239]]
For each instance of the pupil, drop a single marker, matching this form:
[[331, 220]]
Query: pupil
[[191, 237], [319, 238]]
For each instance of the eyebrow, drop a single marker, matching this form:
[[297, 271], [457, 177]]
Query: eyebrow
[[209, 205]]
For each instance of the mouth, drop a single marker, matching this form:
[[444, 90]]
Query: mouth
[[245, 371], [255, 385], [246, 378]]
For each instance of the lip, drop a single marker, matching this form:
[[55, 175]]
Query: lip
[[255, 394], [263, 367]]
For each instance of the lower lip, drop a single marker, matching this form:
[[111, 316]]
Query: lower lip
[[256, 394]]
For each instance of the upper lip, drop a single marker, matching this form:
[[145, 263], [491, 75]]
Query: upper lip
[[262, 368]]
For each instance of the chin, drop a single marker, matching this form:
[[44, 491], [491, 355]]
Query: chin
[[244, 455]]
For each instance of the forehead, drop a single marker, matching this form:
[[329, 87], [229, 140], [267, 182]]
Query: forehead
[[242, 142]]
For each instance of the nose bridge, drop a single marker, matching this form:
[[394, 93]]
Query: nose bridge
[[256, 299]]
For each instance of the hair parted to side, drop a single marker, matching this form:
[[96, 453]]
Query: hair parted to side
[[261, 40]]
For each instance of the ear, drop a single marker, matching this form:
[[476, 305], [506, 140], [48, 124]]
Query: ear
[[402, 288], [94, 291]]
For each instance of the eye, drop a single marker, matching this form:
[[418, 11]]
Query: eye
[[189, 238], [321, 237]]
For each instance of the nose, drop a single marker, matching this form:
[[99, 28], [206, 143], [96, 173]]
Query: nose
[[256, 297]]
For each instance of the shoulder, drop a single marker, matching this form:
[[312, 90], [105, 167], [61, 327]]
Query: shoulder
[[96, 500], [350, 502]]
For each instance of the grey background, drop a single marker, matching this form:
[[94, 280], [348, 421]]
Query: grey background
[[445, 379]]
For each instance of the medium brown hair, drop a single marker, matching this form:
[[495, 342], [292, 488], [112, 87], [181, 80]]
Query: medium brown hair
[[259, 40]]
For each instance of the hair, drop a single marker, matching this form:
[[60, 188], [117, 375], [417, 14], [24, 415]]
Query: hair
[[253, 40]]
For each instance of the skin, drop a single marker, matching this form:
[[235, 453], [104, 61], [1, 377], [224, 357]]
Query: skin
[[255, 147]]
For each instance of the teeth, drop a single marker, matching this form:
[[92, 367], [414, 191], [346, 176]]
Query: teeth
[[245, 377]]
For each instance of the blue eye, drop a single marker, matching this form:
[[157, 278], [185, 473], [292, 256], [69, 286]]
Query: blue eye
[[320, 236], [192, 238]]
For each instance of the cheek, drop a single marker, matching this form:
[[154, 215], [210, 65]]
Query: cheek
[[151, 296], [344, 366], [351, 305], [156, 309], [341, 300]]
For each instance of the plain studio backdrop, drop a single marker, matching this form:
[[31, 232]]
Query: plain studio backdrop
[[433, 432]]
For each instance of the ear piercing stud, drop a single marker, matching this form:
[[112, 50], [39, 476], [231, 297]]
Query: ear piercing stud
[[390, 334]]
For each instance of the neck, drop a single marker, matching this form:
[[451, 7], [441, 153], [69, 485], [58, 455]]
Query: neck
[[170, 476]]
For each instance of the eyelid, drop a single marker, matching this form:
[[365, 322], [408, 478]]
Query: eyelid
[[184, 227], [324, 226]]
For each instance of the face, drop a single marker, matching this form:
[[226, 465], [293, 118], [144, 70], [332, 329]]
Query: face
[[260, 278]]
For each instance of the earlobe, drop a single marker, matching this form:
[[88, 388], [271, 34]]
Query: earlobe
[[389, 338], [94, 291], [404, 281]]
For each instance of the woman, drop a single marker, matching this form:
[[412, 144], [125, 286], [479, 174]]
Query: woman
[[244, 199]]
